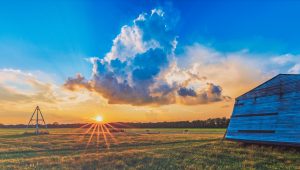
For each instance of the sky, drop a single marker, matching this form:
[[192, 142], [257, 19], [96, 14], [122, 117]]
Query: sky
[[140, 60]]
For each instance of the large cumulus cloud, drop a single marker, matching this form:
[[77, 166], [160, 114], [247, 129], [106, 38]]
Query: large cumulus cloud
[[141, 68]]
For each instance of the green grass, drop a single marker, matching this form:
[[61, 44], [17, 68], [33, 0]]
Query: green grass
[[135, 149]]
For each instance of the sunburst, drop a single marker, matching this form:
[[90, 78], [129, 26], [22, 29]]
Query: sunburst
[[99, 128]]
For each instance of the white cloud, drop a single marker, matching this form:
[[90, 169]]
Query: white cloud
[[235, 72], [142, 68], [139, 67], [295, 69], [283, 59], [287, 63], [18, 86]]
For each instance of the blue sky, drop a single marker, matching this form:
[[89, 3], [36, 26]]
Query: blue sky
[[192, 57], [56, 36], [260, 26]]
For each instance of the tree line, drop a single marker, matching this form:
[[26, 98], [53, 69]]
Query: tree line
[[209, 123]]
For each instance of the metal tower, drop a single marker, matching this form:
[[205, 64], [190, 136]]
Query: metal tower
[[36, 119]]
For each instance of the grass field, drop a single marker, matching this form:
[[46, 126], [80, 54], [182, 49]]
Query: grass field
[[138, 149]]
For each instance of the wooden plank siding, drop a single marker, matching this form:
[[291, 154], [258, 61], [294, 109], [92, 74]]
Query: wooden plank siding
[[269, 113]]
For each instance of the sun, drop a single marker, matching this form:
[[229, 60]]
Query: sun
[[99, 118]]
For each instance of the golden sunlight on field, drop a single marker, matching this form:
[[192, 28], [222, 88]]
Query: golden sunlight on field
[[137, 149]]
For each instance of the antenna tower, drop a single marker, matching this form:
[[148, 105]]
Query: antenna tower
[[36, 118]]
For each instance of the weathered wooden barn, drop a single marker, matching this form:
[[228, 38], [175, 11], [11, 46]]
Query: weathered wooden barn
[[269, 113]]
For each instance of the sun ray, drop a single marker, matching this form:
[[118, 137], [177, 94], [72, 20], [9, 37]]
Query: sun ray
[[98, 132], [91, 136], [110, 134], [86, 132], [112, 127], [83, 126], [104, 136]]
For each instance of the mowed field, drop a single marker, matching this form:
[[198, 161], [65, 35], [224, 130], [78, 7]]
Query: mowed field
[[138, 149]]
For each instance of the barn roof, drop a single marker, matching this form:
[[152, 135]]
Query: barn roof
[[281, 83]]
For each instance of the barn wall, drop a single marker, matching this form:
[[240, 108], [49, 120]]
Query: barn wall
[[268, 113]]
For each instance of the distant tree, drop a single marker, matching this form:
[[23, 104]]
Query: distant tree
[[209, 123], [55, 123]]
